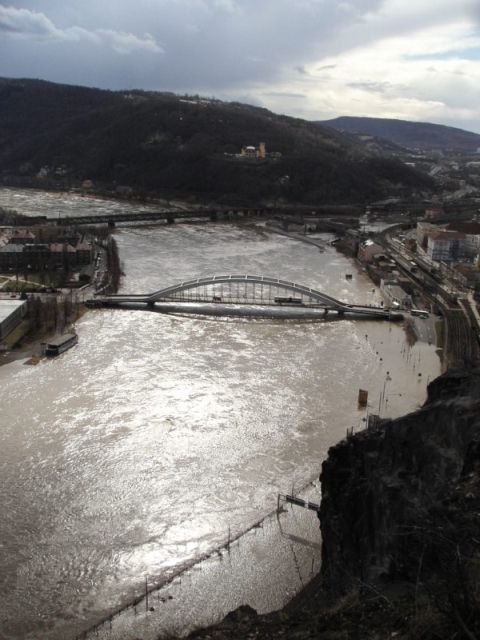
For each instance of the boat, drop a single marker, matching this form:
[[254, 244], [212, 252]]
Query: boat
[[362, 397], [58, 345]]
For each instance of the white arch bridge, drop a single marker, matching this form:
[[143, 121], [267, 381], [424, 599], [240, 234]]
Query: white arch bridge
[[232, 294]]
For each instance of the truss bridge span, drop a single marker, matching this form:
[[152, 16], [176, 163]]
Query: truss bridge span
[[240, 289]]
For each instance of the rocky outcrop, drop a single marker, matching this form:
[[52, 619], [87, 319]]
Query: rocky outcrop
[[400, 521], [401, 502]]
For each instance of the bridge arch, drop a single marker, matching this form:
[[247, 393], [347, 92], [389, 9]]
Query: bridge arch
[[243, 289], [287, 288]]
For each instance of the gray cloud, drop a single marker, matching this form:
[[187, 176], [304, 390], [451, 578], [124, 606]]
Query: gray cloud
[[301, 70], [374, 87], [32, 25], [209, 44], [233, 49], [285, 94]]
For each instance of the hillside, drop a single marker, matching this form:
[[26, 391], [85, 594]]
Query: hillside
[[421, 136], [162, 144]]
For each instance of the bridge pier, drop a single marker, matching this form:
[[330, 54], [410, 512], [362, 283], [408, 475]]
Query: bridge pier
[[111, 224], [170, 220]]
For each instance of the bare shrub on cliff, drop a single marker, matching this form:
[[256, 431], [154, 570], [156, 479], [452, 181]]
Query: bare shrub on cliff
[[448, 579]]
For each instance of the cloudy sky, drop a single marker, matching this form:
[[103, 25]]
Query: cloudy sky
[[315, 59]]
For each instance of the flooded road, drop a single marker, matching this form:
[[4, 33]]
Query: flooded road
[[156, 437]]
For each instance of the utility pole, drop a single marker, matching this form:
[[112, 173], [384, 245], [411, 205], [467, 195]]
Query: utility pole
[[146, 592]]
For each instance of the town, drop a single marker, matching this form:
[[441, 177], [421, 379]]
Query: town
[[45, 272]]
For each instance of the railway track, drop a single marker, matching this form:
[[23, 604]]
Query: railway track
[[462, 339], [462, 348]]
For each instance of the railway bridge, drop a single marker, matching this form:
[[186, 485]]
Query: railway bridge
[[169, 216], [224, 292]]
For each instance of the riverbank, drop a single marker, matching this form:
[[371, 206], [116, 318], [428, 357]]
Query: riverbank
[[49, 314]]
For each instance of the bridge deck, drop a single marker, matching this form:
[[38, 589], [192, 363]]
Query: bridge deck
[[167, 215]]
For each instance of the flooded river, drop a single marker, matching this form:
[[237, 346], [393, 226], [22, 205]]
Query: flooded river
[[156, 437]]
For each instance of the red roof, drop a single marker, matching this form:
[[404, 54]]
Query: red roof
[[58, 247], [446, 235], [23, 233]]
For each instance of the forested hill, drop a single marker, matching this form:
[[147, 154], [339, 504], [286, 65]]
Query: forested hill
[[422, 136], [160, 143]]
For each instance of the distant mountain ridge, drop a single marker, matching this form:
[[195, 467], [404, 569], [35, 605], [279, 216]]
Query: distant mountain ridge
[[158, 143], [420, 136]]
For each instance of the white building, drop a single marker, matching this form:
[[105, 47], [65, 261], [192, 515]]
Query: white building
[[12, 313], [423, 229], [472, 236], [396, 297], [446, 246]]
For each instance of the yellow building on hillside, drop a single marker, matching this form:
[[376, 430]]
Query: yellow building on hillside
[[258, 153]]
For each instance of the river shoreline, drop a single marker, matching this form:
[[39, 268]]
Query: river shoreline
[[32, 347]]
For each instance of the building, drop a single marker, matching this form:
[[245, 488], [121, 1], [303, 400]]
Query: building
[[84, 253], [11, 257], [12, 313], [446, 246], [36, 257], [394, 294], [22, 236], [431, 213], [423, 229], [62, 255], [258, 153], [467, 275], [472, 236], [368, 249], [43, 257]]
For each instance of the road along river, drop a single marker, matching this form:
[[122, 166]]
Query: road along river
[[158, 437]]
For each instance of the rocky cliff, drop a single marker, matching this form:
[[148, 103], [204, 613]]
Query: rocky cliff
[[400, 507], [400, 522]]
